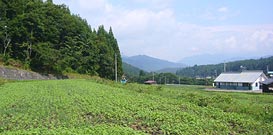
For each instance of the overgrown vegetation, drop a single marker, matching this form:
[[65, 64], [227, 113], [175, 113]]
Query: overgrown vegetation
[[41, 36], [98, 106], [2, 81]]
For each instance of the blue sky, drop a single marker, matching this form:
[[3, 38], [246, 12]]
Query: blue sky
[[174, 29], [229, 12]]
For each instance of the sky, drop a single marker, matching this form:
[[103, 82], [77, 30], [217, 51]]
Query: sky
[[175, 29]]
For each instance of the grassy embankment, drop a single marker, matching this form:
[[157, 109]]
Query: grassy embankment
[[103, 107]]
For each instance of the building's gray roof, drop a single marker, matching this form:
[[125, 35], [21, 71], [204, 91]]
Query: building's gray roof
[[244, 77], [268, 81]]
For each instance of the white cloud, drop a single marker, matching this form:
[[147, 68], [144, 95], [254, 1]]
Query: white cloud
[[223, 9], [155, 4], [95, 5], [231, 42], [157, 32], [219, 14], [262, 35]]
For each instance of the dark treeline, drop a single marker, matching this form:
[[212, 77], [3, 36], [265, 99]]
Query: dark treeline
[[165, 78], [236, 66], [201, 75], [47, 38]]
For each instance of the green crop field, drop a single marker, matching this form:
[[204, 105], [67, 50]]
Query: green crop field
[[103, 107]]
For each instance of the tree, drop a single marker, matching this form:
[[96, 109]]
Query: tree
[[142, 73], [48, 39], [114, 44]]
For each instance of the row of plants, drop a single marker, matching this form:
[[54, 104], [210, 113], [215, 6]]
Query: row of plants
[[101, 107]]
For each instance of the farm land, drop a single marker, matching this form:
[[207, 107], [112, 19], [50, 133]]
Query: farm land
[[97, 106]]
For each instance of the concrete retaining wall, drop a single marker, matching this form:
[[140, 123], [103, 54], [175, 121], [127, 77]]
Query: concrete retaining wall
[[18, 74]]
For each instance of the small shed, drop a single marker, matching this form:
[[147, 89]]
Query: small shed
[[268, 85]]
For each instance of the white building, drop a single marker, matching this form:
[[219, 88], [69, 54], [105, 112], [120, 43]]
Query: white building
[[246, 80]]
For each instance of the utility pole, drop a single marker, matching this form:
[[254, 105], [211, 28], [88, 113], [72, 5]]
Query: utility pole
[[7, 40], [116, 68], [153, 76], [165, 80], [179, 80], [224, 66]]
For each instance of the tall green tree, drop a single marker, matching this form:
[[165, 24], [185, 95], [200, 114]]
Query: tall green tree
[[114, 44], [49, 39]]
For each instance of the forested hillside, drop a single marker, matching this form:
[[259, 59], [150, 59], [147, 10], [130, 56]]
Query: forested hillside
[[47, 38], [214, 70], [130, 70]]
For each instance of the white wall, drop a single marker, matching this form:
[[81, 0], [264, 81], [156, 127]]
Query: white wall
[[253, 85], [260, 79]]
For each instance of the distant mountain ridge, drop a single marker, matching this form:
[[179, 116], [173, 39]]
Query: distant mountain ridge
[[169, 70], [205, 59], [149, 64]]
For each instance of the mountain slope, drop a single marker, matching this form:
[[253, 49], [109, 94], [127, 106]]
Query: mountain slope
[[130, 70], [214, 70], [149, 63], [205, 59], [169, 70]]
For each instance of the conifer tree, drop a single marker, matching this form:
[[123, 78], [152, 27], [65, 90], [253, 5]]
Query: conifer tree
[[48, 39]]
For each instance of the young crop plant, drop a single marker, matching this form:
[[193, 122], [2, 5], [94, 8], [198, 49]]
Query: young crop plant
[[103, 107]]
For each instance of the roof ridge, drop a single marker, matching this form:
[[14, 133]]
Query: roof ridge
[[230, 72], [252, 71]]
